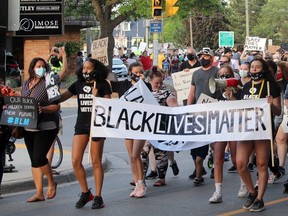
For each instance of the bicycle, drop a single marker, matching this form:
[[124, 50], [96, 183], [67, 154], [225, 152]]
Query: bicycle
[[57, 154]]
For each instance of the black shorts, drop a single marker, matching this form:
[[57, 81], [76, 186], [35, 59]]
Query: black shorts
[[200, 152], [79, 131]]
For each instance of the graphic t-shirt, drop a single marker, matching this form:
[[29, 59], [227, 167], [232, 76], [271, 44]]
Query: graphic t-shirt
[[83, 90], [162, 95]]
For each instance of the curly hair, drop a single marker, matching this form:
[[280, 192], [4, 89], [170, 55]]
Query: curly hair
[[33, 62], [100, 71], [267, 73]]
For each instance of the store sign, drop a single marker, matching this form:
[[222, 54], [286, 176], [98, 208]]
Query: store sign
[[41, 17]]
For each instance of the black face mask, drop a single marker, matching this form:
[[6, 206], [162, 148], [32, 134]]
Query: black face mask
[[190, 56], [256, 76], [205, 62], [88, 76], [134, 77]]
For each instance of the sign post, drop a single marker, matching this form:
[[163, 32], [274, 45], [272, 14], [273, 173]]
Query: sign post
[[226, 39]]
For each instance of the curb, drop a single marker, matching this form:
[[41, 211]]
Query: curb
[[64, 177]]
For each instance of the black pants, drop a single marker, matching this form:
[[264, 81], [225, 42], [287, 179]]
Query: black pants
[[5, 133], [38, 144]]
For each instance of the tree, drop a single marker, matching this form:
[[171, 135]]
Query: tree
[[236, 16], [272, 22]]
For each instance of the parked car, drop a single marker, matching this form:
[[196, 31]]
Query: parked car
[[13, 76], [119, 68]]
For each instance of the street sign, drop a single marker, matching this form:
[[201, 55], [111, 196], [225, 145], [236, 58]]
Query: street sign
[[226, 39], [155, 26]]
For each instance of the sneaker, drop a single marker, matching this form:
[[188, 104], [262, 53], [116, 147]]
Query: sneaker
[[198, 181], [281, 170], [97, 203], [250, 200], [285, 190], [151, 175], [216, 198], [257, 206], [175, 168], [84, 198], [212, 174], [132, 183], [226, 156], [232, 169], [141, 190], [193, 175], [133, 193], [250, 167], [243, 191], [273, 178]]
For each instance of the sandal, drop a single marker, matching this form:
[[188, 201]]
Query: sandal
[[159, 182], [35, 198], [54, 194]]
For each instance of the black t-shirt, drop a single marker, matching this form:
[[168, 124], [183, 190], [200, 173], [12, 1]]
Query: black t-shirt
[[247, 90], [186, 64], [83, 90]]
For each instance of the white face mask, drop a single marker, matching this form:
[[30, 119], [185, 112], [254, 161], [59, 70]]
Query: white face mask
[[40, 72], [243, 73]]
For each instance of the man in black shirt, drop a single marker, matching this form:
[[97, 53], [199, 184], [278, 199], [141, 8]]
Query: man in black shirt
[[191, 62]]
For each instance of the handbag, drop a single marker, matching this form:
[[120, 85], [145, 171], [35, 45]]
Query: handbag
[[18, 132]]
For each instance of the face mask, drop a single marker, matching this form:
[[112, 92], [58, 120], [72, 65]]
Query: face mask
[[190, 56], [88, 76], [40, 72], [243, 73], [256, 76], [204, 62], [134, 77]]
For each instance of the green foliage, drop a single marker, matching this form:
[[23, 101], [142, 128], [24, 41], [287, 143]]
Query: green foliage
[[71, 47], [78, 8], [272, 22]]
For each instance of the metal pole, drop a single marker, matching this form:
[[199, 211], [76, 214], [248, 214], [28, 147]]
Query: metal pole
[[155, 48], [247, 17], [147, 33], [191, 31]]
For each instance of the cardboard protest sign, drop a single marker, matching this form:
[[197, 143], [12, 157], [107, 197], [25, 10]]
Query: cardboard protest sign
[[255, 43], [99, 50], [21, 111], [52, 86], [182, 83]]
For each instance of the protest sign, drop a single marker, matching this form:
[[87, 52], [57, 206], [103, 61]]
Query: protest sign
[[182, 83], [52, 86], [99, 50], [255, 43], [21, 111], [221, 121]]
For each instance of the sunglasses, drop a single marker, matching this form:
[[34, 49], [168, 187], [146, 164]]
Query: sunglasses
[[225, 76]]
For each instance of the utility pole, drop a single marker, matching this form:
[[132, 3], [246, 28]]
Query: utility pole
[[247, 17], [191, 31]]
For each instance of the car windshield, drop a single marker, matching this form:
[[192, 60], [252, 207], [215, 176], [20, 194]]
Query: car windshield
[[117, 61]]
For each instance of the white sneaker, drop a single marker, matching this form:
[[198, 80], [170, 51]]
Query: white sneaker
[[272, 179], [216, 198], [141, 190], [243, 191]]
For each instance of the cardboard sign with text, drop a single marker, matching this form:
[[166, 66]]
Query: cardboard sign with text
[[255, 43], [182, 83], [99, 50]]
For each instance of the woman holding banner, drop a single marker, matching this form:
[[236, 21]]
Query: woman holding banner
[[91, 80], [38, 141], [134, 146], [258, 87]]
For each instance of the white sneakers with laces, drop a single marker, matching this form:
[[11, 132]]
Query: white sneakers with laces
[[216, 198], [243, 191]]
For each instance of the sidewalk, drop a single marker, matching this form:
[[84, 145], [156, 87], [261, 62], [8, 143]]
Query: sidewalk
[[20, 179]]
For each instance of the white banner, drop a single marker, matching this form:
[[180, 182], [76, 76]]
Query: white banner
[[182, 83], [232, 121]]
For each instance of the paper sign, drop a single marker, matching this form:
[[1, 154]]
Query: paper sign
[[255, 43], [99, 50]]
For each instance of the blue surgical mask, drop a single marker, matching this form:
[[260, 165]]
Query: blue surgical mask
[[40, 72]]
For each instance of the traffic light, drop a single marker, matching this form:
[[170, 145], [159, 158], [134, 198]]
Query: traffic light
[[157, 8], [170, 8]]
